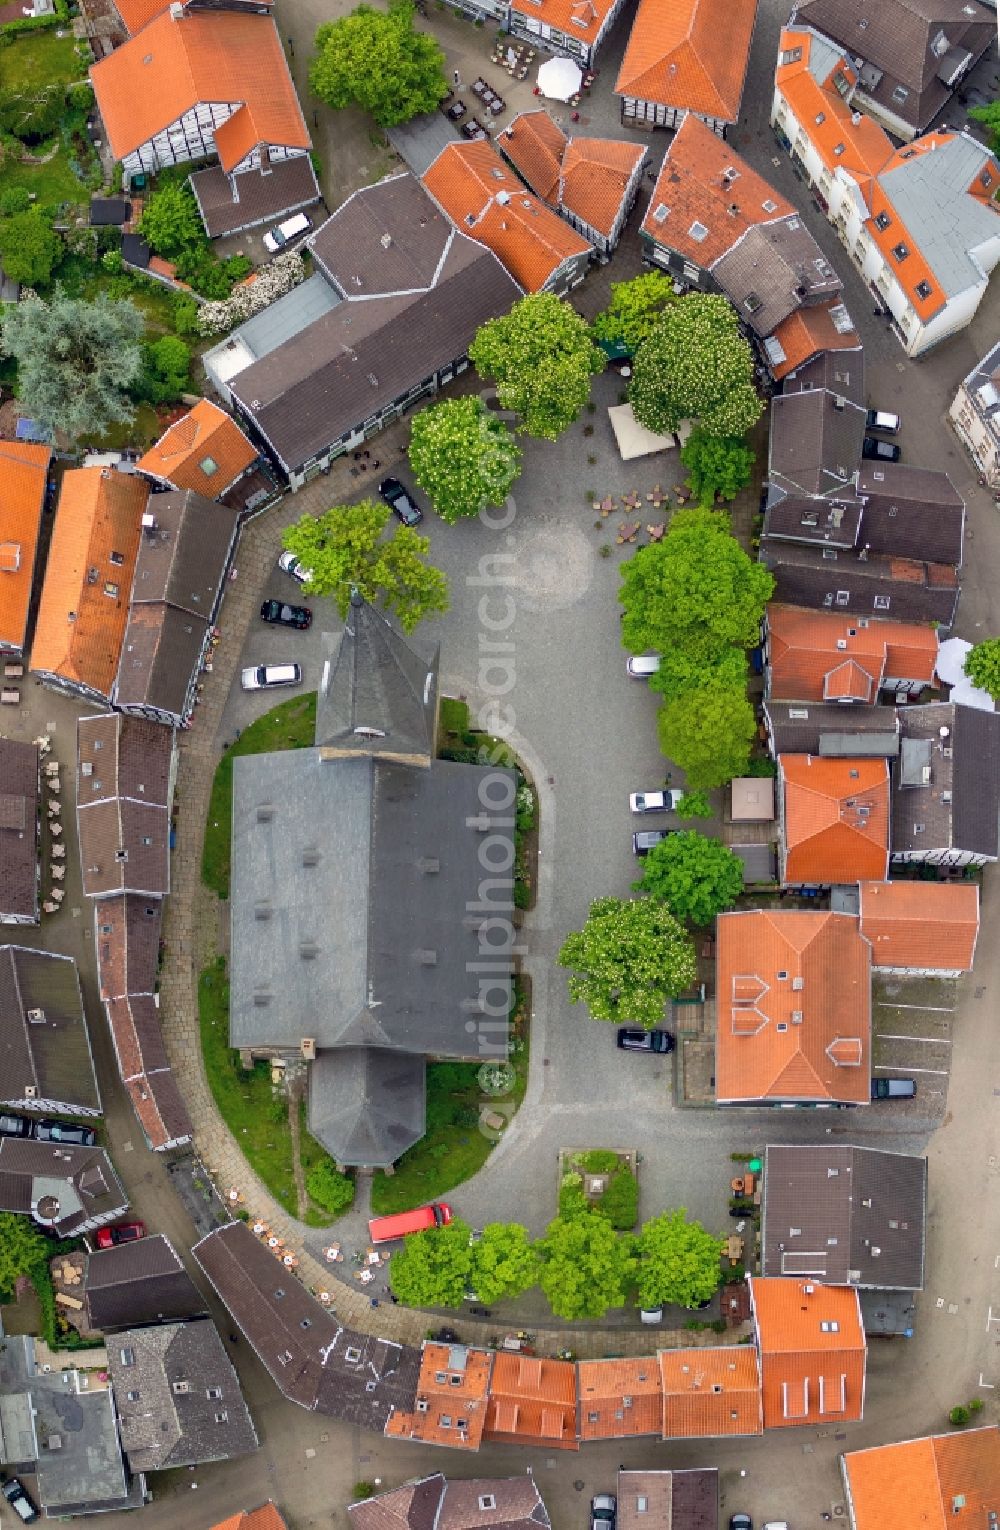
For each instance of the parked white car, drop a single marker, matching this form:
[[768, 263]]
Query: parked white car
[[641, 666], [261, 677], [655, 802], [277, 238], [289, 564]]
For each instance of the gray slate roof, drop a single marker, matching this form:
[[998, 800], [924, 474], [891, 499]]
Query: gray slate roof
[[775, 269], [253, 197], [65, 1188], [827, 728], [815, 444], [815, 523], [911, 512], [47, 1057], [18, 830], [314, 1361], [684, 1500], [844, 1215], [177, 1397], [378, 696], [839, 372], [959, 806], [123, 795], [930, 194], [434, 1503], [367, 1105], [892, 587], [139, 1283]]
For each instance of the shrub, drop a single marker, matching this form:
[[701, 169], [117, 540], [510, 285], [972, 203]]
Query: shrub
[[367, 1489], [328, 1187], [959, 1416], [597, 1161], [620, 1201]]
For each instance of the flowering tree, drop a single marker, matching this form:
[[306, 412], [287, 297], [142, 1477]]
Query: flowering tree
[[263, 288], [630, 957], [634, 310], [463, 456], [541, 357], [708, 732], [696, 365], [380, 62]]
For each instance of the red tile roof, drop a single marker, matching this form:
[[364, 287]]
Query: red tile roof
[[689, 54], [588, 177], [921, 924], [532, 1401], [535, 145], [708, 1393], [467, 179], [174, 64], [451, 1394], [823, 656], [864, 147], [793, 1008], [812, 1351], [577, 18], [619, 1398], [942, 1481], [205, 451], [266, 1517], [692, 188], [24, 469], [808, 331], [835, 817]]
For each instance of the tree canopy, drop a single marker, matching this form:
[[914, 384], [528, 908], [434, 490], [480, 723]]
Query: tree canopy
[[716, 465], [504, 1262], [696, 590], [696, 365], [432, 1268], [346, 549], [541, 357], [989, 116], [463, 456], [631, 956], [634, 309], [587, 1267], [22, 1246], [380, 62], [328, 1187], [30, 248], [708, 733], [678, 1261], [76, 360], [680, 672], [695, 876], [694, 804], [982, 666]]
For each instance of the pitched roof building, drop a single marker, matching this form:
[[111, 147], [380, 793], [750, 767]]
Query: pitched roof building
[[486, 200], [686, 56], [793, 1001], [975, 415], [684, 1500], [88, 576], [19, 804], [905, 589], [45, 1059], [892, 509], [925, 928], [145, 1069], [619, 1399], [127, 937], [710, 1393], [450, 1405], [24, 474], [911, 54], [591, 182], [849, 1216], [266, 1517], [533, 1401], [124, 792], [134, 1284], [827, 729], [821, 656], [812, 1352], [70, 1190], [946, 797], [815, 446], [940, 1480], [834, 819], [434, 1503], [185, 555], [204, 451]]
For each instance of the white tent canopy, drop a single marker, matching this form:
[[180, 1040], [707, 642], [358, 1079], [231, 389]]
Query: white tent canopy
[[634, 440], [559, 78], [951, 659]]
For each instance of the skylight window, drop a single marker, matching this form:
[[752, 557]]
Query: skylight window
[[208, 466], [924, 289], [883, 221], [698, 231]]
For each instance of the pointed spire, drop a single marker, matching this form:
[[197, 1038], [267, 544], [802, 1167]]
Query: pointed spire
[[378, 697]]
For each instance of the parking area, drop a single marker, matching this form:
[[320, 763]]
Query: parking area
[[912, 1038]]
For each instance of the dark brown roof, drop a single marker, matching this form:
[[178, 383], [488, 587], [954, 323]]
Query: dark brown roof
[[773, 270], [80, 1180], [289, 185], [684, 1500], [160, 658], [127, 937], [911, 512], [138, 1283], [894, 38], [312, 1359], [123, 781], [959, 803], [44, 1043], [434, 1503], [390, 334], [817, 523], [897, 588], [845, 1215], [815, 444], [145, 1069], [841, 372], [831, 729], [18, 830]]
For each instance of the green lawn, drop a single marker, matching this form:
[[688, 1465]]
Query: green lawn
[[52, 183], [453, 1148], [40, 58], [291, 725]]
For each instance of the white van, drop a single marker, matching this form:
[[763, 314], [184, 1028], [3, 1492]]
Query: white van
[[277, 238]]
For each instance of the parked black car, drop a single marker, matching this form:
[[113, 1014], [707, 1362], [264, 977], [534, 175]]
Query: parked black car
[[65, 1131], [880, 451], [14, 1126], [401, 501], [635, 1040], [280, 614], [893, 1088]]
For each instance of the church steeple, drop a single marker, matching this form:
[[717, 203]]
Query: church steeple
[[378, 697]]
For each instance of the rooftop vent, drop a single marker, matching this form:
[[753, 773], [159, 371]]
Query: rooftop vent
[[307, 1048], [308, 950], [310, 856], [36, 1016], [261, 998], [427, 958], [385, 241], [263, 910], [428, 864], [265, 812]]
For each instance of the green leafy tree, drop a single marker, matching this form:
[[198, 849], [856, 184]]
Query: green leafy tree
[[76, 360], [982, 666], [22, 1248], [694, 804], [680, 672], [989, 116], [463, 456], [380, 62], [166, 370], [587, 1267], [696, 877], [31, 112], [346, 548], [630, 957], [329, 1188], [678, 1262], [696, 365], [708, 733], [635, 307], [14, 199], [30, 248], [716, 465], [432, 1268], [504, 1262], [170, 223], [696, 590], [541, 357]]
